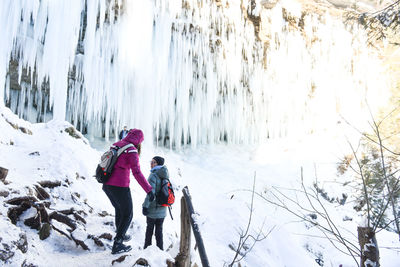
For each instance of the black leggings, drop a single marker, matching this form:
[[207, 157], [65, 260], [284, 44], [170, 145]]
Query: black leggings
[[158, 223], [121, 199]]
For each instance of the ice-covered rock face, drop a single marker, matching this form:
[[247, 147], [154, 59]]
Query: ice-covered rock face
[[186, 72]]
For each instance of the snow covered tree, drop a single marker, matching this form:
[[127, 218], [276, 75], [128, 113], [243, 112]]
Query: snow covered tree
[[379, 188]]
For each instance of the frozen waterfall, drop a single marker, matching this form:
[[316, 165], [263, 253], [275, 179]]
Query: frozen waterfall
[[186, 72]]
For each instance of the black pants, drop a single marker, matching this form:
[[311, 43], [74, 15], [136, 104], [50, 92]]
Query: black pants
[[158, 223], [121, 199]]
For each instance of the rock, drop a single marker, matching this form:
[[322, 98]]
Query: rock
[[14, 212], [33, 222], [109, 223], [104, 214], [78, 240], [15, 80], [73, 212], [44, 216], [4, 193], [78, 176], [121, 259], [6, 253], [25, 130], [20, 200], [50, 184], [107, 236], [96, 240], [141, 262], [15, 126], [30, 191], [73, 132], [44, 231], [22, 129], [347, 218], [36, 153], [22, 243], [342, 201], [41, 193], [82, 244], [79, 218], [81, 212], [25, 264], [67, 212], [3, 174], [63, 219], [62, 232], [313, 216]]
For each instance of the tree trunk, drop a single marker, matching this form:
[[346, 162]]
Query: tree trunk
[[183, 257], [369, 247]]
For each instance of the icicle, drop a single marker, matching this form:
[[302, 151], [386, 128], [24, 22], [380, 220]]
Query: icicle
[[186, 72]]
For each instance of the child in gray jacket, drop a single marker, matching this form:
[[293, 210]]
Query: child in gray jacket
[[154, 212]]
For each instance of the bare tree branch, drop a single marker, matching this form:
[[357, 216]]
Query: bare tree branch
[[245, 236], [369, 138], [352, 249], [364, 184], [386, 179]]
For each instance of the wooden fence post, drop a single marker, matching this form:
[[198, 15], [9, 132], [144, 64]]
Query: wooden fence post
[[195, 227], [183, 257]]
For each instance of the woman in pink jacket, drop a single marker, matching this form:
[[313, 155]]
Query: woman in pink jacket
[[117, 187]]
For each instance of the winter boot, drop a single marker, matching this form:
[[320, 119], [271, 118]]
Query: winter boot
[[118, 247], [126, 238]]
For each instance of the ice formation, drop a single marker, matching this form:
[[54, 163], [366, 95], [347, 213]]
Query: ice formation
[[186, 72]]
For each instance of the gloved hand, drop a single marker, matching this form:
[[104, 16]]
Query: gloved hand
[[145, 211], [151, 196]]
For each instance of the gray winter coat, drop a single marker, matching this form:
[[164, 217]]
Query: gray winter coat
[[156, 211]]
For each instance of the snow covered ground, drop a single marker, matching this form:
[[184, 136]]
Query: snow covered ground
[[219, 178]]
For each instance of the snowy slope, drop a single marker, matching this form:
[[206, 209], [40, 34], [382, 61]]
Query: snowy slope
[[219, 179]]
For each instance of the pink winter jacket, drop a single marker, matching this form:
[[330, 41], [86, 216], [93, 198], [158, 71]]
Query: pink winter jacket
[[129, 160]]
